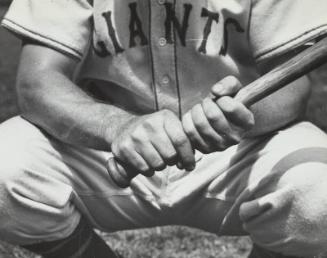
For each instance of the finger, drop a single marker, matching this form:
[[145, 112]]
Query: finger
[[228, 86], [161, 142], [212, 139], [219, 123], [236, 112], [128, 156], [179, 165], [181, 143], [151, 156], [197, 141], [118, 174]]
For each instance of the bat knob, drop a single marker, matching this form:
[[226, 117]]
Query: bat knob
[[121, 177]]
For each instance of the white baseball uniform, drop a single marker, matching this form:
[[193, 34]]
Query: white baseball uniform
[[147, 55]]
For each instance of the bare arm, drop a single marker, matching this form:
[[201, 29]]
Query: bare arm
[[48, 97], [284, 106]]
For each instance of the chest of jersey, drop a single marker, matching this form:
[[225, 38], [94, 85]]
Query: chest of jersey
[[154, 54]]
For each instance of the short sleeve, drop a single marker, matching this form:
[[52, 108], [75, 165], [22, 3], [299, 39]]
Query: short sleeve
[[64, 25], [278, 26]]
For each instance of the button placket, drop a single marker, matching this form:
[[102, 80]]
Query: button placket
[[165, 80], [163, 57], [162, 42], [161, 2]]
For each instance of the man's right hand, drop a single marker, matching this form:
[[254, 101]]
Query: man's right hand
[[149, 143]]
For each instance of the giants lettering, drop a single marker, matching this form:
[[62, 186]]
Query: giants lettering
[[172, 24]]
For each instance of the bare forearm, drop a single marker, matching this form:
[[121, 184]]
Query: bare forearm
[[68, 113], [281, 108]]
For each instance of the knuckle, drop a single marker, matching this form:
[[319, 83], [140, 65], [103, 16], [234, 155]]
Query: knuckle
[[211, 110], [170, 158], [148, 125], [208, 135], [180, 141], [143, 168], [213, 117], [124, 147], [192, 136], [148, 173], [228, 105], [188, 130], [139, 165], [160, 166], [201, 125], [135, 137]]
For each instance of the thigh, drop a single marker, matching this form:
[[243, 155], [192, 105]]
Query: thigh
[[53, 181], [211, 196], [299, 148]]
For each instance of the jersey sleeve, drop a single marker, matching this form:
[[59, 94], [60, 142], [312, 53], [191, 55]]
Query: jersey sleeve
[[64, 25], [278, 26]]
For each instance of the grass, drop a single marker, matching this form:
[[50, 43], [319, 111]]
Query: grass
[[163, 242]]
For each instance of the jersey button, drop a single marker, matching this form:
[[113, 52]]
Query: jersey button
[[165, 80], [162, 42], [161, 2]]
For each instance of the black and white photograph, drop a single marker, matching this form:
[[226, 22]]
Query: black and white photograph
[[163, 129]]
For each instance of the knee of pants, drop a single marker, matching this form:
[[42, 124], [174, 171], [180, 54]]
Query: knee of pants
[[34, 206], [289, 215]]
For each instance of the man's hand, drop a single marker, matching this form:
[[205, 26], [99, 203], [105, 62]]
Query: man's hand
[[151, 142], [216, 125]]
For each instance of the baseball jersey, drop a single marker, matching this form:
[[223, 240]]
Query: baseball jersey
[[147, 55]]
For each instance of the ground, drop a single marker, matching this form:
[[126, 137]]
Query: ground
[[167, 242]]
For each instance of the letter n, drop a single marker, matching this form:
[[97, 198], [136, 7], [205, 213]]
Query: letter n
[[172, 21]]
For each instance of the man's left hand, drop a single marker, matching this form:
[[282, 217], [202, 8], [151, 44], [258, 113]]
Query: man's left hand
[[215, 125]]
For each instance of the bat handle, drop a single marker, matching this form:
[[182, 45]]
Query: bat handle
[[301, 64], [296, 67]]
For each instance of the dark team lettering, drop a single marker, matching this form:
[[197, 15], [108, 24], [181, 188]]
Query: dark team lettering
[[172, 25], [172, 22], [101, 50], [237, 26], [112, 32], [135, 27], [207, 28]]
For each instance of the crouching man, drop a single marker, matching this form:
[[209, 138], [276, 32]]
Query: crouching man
[[130, 79]]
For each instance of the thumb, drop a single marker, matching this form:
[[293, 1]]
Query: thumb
[[228, 86]]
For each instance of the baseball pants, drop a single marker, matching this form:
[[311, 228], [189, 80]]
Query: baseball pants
[[273, 188]]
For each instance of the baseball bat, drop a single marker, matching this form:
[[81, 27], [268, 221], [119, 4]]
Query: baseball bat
[[301, 64]]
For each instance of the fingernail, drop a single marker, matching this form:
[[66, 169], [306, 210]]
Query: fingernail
[[179, 165], [218, 89]]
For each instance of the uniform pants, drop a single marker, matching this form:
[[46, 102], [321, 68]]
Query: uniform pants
[[272, 188]]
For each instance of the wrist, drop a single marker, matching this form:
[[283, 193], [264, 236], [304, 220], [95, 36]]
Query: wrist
[[112, 127]]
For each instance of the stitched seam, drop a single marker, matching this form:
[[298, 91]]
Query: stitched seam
[[258, 56], [40, 35], [154, 88], [176, 71]]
